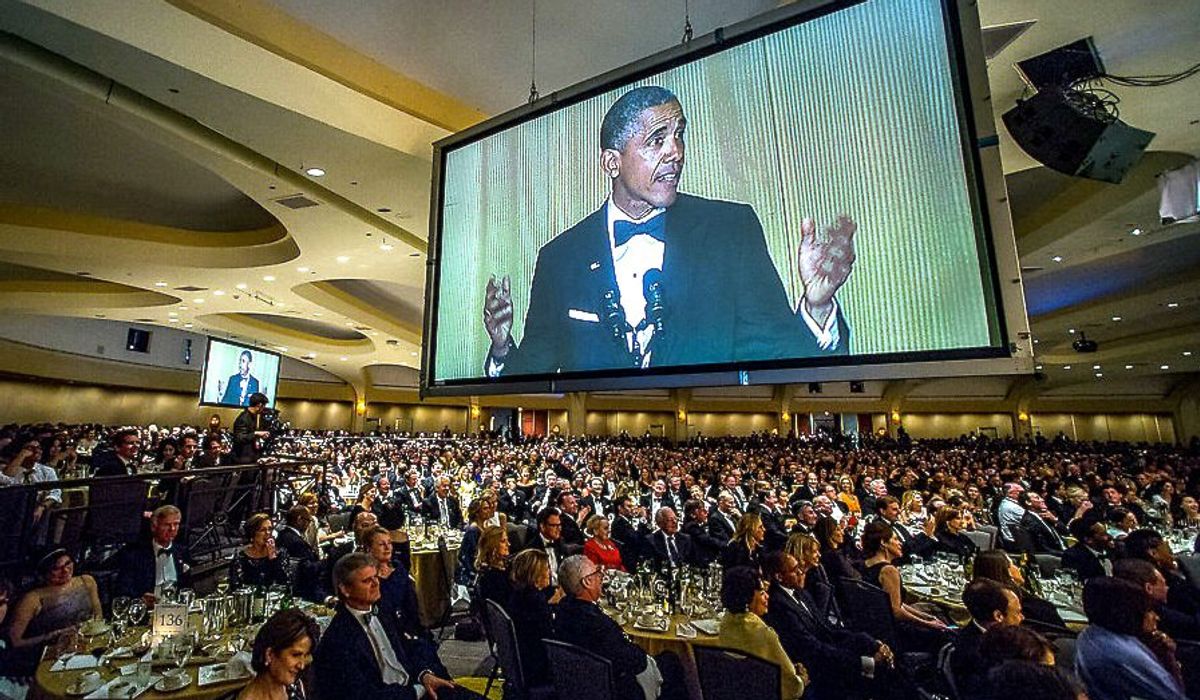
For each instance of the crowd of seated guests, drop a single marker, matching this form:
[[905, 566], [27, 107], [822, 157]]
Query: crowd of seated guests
[[839, 509]]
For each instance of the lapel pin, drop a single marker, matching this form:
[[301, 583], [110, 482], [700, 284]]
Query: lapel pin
[[595, 265]]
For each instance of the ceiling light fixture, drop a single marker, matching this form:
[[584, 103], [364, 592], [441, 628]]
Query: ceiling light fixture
[[314, 172], [218, 293], [1172, 305], [1071, 331], [1066, 366], [172, 313], [343, 359], [1095, 366], [268, 278], [1164, 366], [385, 247], [1128, 366], [1038, 367], [301, 269], [241, 285], [1136, 232], [1099, 374], [1116, 318], [1057, 258], [187, 325], [343, 258], [172, 320], [197, 300], [1187, 353], [160, 284]]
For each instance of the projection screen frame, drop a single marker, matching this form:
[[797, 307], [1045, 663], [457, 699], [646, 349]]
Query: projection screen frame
[[204, 371], [986, 189]]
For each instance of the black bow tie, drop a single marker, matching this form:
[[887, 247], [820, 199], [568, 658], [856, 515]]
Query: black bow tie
[[625, 230], [164, 552]]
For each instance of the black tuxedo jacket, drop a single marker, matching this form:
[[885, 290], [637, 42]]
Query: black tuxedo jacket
[[514, 504], [135, 565], [345, 660], [629, 540], [410, 498], [683, 545], [1081, 559], [245, 450], [833, 655], [390, 511], [723, 299], [777, 535], [966, 663], [431, 510], [536, 541], [109, 464], [720, 528], [583, 624], [1042, 538], [306, 563], [705, 547]]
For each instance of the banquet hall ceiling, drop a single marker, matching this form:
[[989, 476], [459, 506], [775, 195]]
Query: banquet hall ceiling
[[175, 179]]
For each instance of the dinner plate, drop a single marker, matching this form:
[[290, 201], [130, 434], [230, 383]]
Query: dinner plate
[[84, 685], [171, 683], [122, 689]]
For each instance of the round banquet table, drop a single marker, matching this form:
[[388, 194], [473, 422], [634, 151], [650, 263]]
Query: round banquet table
[[433, 578], [654, 642], [957, 611], [53, 685]]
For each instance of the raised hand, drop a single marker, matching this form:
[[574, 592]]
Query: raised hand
[[498, 314], [825, 262]]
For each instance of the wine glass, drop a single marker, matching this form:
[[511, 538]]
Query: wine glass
[[120, 609], [223, 587], [136, 611], [181, 650]]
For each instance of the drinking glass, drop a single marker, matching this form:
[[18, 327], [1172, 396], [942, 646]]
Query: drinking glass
[[120, 610], [181, 650], [136, 611]]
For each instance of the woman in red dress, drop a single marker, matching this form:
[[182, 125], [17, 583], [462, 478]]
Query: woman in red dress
[[599, 548]]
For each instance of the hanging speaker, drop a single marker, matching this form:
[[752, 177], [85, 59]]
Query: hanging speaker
[[1052, 130]]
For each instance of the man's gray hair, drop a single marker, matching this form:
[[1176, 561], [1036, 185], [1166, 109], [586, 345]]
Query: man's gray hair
[[346, 566], [661, 514], [163, 511], [571, 572]]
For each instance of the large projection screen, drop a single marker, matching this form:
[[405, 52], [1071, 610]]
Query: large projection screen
[[232, 372], [822, 111]]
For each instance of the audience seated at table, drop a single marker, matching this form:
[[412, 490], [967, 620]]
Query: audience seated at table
[[282, 650], [259, 562], [546, 539], [580, 621], [705, 546], [991, 606], [838, 553], [57, 605], [529, 607], [599, 547], [397, 594], [745, 548], [121, 458], [572, 528], [913, 544], [1177, 624], [744, 597], [844, 663], [667, 546], [996, 565], [1038, 531], [1148, 545], [479, 515], [1122, 654], [441, 507], [629, 530], [917, 629], [146, 566], [368, 654]]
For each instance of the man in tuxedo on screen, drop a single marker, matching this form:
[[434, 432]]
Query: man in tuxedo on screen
[[655, 277], [240, 386]]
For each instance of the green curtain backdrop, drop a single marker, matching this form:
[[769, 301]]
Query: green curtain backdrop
[[851, 113]]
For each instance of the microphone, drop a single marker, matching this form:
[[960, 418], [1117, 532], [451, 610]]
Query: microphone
[[610, 311], [652, 290]]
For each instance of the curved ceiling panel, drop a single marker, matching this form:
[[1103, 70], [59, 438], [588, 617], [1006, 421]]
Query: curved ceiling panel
[[304, 325], [400, 301], [284, 332], [58, 155]]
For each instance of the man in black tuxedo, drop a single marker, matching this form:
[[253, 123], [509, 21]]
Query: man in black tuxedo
[[1035, 533], [303, 557], [1089, 556], [580, 621], [248, 429], [548, 538], [670, 547], [657, 498], [918, 545], [387, 506], [368, 654], [513, 501], [442, 508], [629, 537], [144, 567], [410, 495], [842, 662], [606, 291], [123, 459], [705, 547], [722, 523], [572, 515], [991, 605], [773, 518]]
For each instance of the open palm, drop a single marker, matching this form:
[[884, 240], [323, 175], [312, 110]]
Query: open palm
[[825, 261]]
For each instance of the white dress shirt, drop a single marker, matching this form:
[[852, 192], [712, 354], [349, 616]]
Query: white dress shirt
[[390, 668], [164, 569]]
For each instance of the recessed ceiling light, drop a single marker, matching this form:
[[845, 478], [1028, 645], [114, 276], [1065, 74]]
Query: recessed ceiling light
[[1037, 367], [1071, 331], [268, 278], [1057, 258], [343, 359], [413, 354], [301, 269], [1172, 305], [1164, 366], [1036, 341], [187, 325], [172, 313], [1116, 318], [385, 247], [241, 285], [1099, 374], [183, 308], [1066, 366], [197, 300], [1187, 353], [218, 293], [172, 320], [1095, 366], [343, 258], [160, 284], [1128, 366], [1136, 232], [314, 172]]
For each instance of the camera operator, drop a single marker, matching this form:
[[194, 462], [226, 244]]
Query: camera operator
[[248, 429]]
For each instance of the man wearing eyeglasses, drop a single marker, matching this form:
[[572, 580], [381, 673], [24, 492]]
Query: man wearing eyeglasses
[[580, 621]]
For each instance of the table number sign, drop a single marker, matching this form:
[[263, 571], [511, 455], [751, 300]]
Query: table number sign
[[169, 619]]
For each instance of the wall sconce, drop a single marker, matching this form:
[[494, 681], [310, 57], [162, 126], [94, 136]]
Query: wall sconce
[[786, 416], [682, 414], [896, 417], [475, 412], [361, 407]]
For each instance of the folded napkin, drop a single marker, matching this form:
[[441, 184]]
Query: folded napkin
[[77, 661]]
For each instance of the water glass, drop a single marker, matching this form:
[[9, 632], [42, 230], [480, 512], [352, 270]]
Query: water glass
[[142, 674]]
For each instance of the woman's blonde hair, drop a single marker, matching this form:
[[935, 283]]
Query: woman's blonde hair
[[800, 543], [746, 525], [592, 522], [488, 556], [526, 568]]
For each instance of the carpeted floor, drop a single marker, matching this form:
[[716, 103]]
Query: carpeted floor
[[469, 664]]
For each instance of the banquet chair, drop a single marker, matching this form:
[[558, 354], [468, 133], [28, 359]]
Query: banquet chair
[[1189, 563], [868, 610], [1048, 564], [947, 671], [983, 539], [578, 673], [727, 674], [508, 653]]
